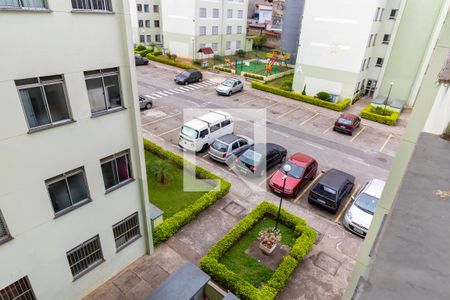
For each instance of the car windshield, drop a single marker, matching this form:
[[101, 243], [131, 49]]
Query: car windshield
[[219, 146], [367, 203], [296, 171], [344, 121], [325, 191], [189, 132], [251, 157], [184, 74], [228, 83]]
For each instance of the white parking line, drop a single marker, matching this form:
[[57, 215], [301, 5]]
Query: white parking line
[[385, 143], [353, 138], [156, 95], [358, 161], [328, 129], [174, 91], [161, 93], [348, 201], [167, 92], [288, 112], [159, 135], [309, 119], [248, 102], [151, 97], [184, 89], [261, 109], [155, 121], [306, 188], [315, 145]]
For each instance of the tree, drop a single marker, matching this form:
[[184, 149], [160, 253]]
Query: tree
[[174, 57], [161, 171], [259, 41]]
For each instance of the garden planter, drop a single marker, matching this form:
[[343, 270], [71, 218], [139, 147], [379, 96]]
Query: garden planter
[[267, 249]]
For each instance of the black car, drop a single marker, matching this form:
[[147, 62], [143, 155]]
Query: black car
[[188, 76], [139, 60], [251, 161], [331, 189]]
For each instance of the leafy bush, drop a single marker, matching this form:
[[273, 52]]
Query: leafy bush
[[167, 61], [197, 62], [145, 52], [228, 279], [218, 58], [286, 85], [240, 53], [324, 96], [171, 225], [157, 52], [228, 70], [374, 115], [255, 76], [140, 48], [296, 96]]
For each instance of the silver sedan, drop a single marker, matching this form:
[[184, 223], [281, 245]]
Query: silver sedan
[[230, 86]]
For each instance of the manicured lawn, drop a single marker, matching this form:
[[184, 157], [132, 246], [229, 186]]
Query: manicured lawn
[[247, 267], [171, 198], [277, 82], [258, 67]]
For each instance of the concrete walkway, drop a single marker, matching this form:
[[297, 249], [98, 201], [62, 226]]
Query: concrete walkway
[[322, 275]]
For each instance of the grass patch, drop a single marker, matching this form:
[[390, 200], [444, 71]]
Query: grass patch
[[278, 82], [248, 267], [171, 198]]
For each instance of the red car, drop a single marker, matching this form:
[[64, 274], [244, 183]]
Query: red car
[[347, 123], [303, 169]]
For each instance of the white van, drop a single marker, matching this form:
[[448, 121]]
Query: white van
[[197, 134]]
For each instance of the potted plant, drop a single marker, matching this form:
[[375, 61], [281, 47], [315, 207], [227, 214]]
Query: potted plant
[[268, 240]]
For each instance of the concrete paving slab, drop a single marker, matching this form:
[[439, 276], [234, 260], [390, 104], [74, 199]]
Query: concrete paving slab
[[126, 281]]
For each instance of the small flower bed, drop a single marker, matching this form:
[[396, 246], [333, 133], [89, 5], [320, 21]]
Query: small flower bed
[[377, 114], [242, 288], [269, 237]]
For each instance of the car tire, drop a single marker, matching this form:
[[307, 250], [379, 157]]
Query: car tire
[[148, 106], [283, 159], [297, 191], [204, 148], [200, 79], [229, 94], [185, 83]]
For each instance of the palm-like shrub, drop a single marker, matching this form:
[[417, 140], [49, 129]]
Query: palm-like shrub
[[161, 171]]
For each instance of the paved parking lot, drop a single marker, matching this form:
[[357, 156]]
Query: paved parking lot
[[298, 127]]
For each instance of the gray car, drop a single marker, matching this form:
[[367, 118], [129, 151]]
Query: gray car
[[230, 86], [224, 147], [145, 102], [359, 215], [140, 61]]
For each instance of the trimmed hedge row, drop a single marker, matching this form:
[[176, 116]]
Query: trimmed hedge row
[[390, 120], [223, 69], [255, 76], [171, 225], [230, 280], [297, 96], [170, 62]]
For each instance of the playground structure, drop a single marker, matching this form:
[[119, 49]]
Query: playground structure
[[275, 56]]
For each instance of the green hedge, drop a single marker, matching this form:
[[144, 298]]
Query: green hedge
[[223, 69], [297, 96], [255, 76], [171, 225], [243, 289], [390, 120], [170, 62]]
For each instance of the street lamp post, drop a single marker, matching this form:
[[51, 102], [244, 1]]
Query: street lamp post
[[286, 169], [387, 98]]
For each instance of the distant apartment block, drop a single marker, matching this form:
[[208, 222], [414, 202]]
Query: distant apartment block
[[147, 24], [73, 198], [344, 45], [189, 25]]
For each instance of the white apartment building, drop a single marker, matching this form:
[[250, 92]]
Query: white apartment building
[[343, 45], [189, 25], [146, 22], [73, 193]]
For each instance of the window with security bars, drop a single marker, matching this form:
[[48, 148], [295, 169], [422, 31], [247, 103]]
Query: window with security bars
[[85, 257], [4, 232], [24, 4], [126, 231], [19, 290], [95, 5]]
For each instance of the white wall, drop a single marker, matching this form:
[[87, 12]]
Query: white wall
[[334, 33], [65, 43]]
